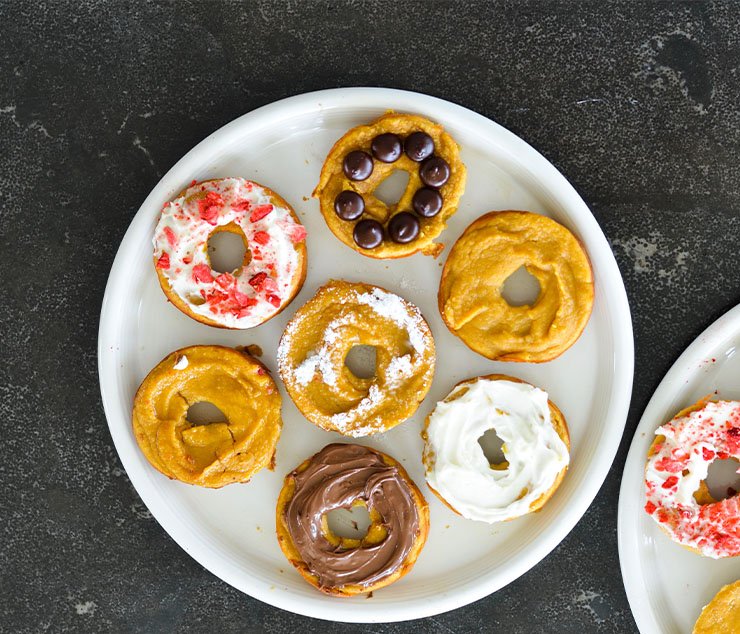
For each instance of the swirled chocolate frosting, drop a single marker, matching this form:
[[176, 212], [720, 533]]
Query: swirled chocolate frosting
[[337, 476]]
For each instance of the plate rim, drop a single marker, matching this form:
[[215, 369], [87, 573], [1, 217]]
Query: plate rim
[[620, 322], [678, 375]]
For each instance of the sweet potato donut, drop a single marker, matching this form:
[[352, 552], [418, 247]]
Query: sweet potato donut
[[536, 444], [343, 476], [274, 264], [678, 462], [363, 158], [488, 252], [214, 454], [722, 614], [313, 348]]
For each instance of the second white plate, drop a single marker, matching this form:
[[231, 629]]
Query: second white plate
[[667, 585]]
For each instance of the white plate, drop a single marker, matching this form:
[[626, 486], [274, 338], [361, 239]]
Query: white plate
[[231, 531], [667, 585]]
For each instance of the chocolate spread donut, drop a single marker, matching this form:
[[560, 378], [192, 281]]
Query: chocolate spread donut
[[342, 476]]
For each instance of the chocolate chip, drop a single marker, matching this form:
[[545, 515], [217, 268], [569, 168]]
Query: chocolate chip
[[386, 147], [349, 205], [419, 145], [368, 233], [358, 165], [434, 172], [427, 202], [403, 227]]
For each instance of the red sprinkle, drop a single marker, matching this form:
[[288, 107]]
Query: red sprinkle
[[202, 273], [225, 280], [171, 237], [243, 299], [297, 233], [193, 182], [260, 212], [650, 508], [262, 237], [187, 259], [258, 281], [242, 205], [670, 482], [164, 261], [707, 454], [274, 300], [210, 206], [270, 286]]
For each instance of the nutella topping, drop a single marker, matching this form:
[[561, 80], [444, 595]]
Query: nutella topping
[[338, 475]]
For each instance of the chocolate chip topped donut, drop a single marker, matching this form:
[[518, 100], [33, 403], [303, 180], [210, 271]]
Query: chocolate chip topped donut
[[363, 158]]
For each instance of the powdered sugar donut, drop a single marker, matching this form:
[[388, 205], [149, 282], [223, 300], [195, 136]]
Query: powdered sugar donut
[[678, 462], [274, 264], [315, 344]]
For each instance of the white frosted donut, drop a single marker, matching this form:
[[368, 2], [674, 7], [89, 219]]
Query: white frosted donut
[[534, 434], [678, 464], [271, 274]]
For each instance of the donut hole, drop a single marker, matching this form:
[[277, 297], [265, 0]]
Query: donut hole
[[723, 480], [521, 288], [493, 449], [205, 413], [361, 360], [227, 249], [392, 187], [353, 523]]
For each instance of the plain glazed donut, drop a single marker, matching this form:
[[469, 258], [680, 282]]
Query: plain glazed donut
[[536, 443], [678, 462], [214, 454], [488, 252], [343, 476], [363, 158], [318, 338], [274, 265]]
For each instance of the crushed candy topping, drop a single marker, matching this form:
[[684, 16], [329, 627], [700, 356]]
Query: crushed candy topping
[[255, 293], [676, 469]]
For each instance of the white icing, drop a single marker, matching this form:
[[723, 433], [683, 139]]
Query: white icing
[[181, 363], [680, 463], [459, 471], [182, 235]]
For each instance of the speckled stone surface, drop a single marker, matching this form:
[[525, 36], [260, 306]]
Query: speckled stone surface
[[637, 104]]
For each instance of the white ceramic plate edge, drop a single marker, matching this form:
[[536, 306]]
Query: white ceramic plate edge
[[654, 415], [617, 308]]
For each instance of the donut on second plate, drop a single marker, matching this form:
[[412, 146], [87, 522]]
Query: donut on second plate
[[363, 158], [490, 250], [219, 453], [274, 265], [315, 344], [722, 614], [536, 445], [677, 496], [343, 476]]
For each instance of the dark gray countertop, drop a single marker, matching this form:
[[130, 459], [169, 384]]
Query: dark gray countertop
[[636, 103]]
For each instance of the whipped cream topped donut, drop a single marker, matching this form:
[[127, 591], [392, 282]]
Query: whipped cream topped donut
[[535, 448], [678, 463], [274, 265]]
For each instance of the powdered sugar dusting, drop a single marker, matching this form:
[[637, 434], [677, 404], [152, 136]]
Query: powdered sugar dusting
[[397, 310], [323, 361], [343, 420], [399, 368]]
